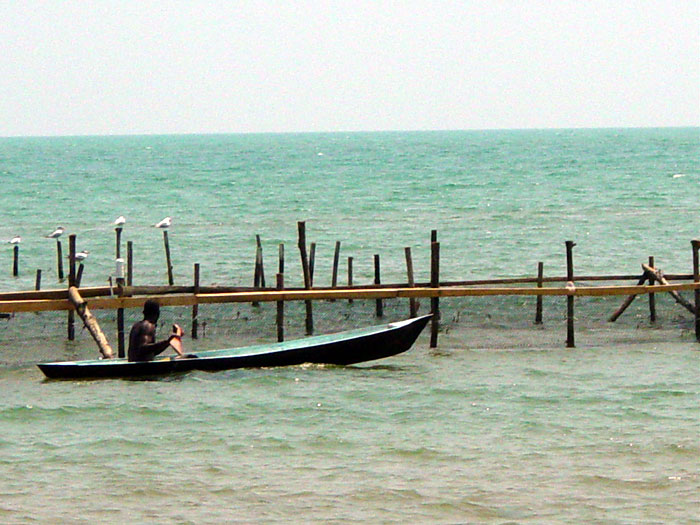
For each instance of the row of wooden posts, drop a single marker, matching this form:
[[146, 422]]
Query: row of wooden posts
[[434, 289]]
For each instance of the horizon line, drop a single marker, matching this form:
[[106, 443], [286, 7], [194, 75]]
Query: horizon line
[[357, 131]]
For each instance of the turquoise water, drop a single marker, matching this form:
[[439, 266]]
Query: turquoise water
[[499, 424]]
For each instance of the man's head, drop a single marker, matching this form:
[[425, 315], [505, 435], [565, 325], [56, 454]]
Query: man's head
[[151, 310]]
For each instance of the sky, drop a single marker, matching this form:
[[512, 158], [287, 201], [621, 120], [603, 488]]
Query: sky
[[154, 67]]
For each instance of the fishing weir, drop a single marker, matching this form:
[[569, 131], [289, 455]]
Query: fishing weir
[[122, 294]]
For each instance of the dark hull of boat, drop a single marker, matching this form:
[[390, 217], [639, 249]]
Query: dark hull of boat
[[344, 348]]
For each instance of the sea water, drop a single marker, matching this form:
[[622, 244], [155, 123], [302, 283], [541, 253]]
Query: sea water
[[501, 423]]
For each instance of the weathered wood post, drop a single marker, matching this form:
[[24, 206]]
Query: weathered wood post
[[59, 259], [257, 274], [15, 261], [168, 262], [79, 274], [312, 261], [378, 280], [652, 297], [434, 283], [195, 307], [280, 286], [695, 243], [119, 275], [280, 310], [280, 266], [570, 343], [37, 282], [90, 322], [336, 260], [540, 280], [350, 276], [129, 263], [118, 251], [412, 302], [71, 283], [301, 226]]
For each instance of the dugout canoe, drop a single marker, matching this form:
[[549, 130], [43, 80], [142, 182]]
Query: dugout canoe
[[342, 348]]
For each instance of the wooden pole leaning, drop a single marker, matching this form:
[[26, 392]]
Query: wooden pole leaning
[[695, 243], [301, 226], [168, 261], [336, 261], [570, 342], [37, 282], [628, 301], [659, 276], [71, 283], [90, 322]]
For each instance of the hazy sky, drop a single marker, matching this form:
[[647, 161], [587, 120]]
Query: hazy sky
[[125, 67]]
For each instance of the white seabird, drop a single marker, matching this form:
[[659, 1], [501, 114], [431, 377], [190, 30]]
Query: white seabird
[[165, 223], [15, 240], [56, 233], [120, 221], [81, 256]]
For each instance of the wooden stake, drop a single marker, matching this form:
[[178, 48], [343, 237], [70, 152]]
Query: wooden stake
[[15, 261], [121, 347], [37, 283], [118, 231], [71, 283], [349, 276], [129, 263], [168, 262], [301, 226], [434, 283], [312, 262], [538, 307], [79, 275], [413, 303], [695, 243], [195, 307], [652, 297], [570, 342], [90, 322], [336, 260], [378, 280], [59, 257], [280, 310], [280, 268]]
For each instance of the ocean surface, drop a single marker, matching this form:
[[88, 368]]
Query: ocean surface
[[499, 424]]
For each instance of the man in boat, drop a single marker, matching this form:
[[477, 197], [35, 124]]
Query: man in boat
[[142, 338]]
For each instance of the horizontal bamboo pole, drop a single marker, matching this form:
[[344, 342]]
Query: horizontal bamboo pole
[[100, 291], [326, 294]]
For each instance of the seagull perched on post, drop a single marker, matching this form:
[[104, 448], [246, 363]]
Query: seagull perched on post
[[81, 256], [120, 221], [165, 223], [15, 240], [56, 233]]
